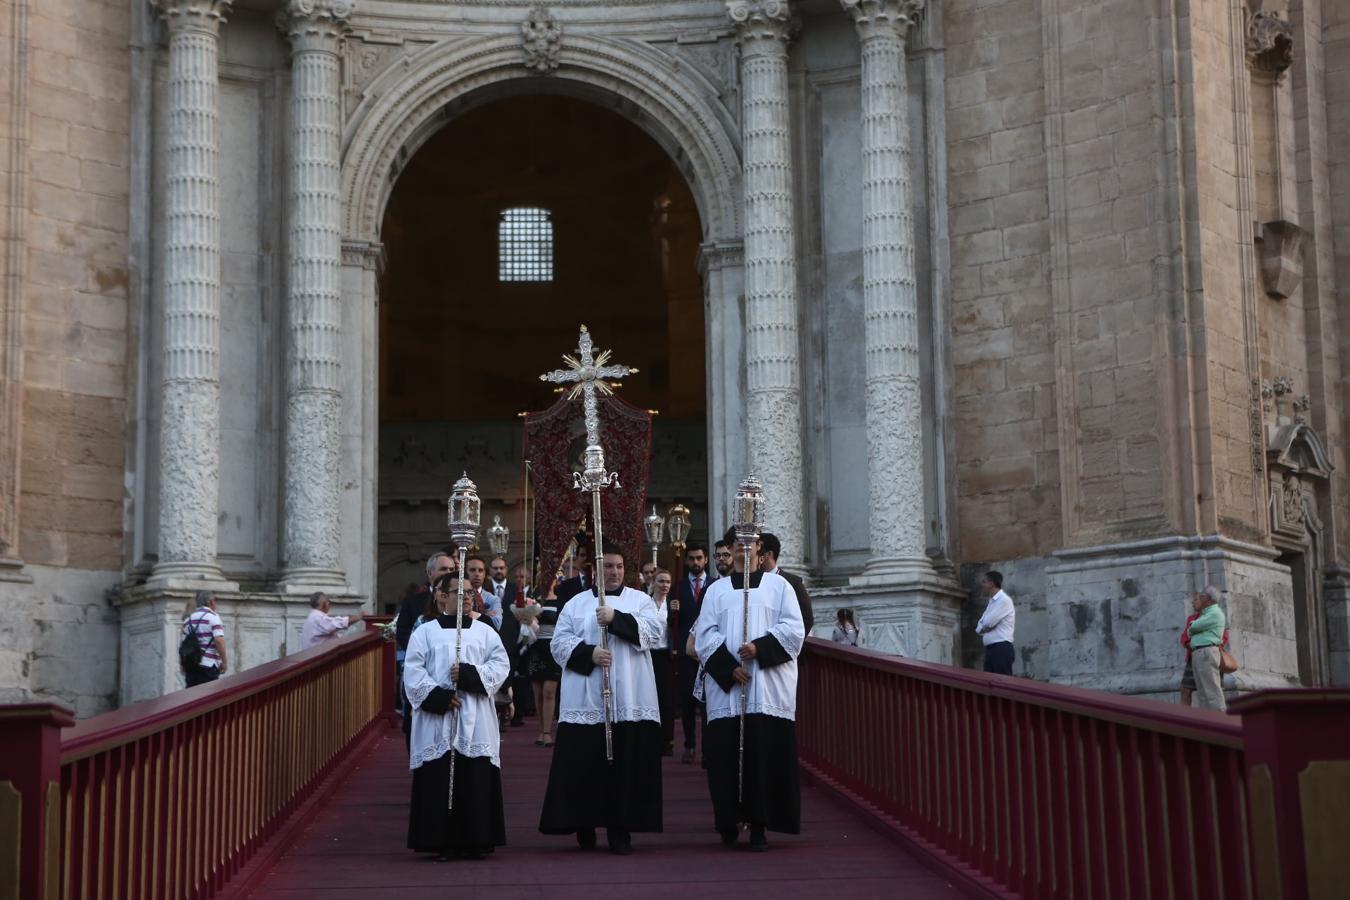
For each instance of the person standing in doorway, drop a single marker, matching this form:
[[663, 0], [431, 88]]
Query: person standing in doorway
[[996, 626]]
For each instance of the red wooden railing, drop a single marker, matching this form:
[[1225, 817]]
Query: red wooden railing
[[172, 797], [1025, 789]]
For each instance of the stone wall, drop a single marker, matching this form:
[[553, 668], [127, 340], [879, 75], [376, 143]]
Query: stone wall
[[63, 346]]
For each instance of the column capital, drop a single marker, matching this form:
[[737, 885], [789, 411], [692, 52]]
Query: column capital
[[315, 24], [762, 20], [884, 18], [193, 15]]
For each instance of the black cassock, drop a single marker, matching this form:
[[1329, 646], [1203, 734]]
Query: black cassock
[[477, 822]]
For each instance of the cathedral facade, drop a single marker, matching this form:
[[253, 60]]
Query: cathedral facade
[[1060, 288]]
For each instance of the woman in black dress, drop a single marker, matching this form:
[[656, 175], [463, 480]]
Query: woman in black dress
[[543, 671]]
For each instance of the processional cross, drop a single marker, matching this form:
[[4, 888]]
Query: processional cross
[[586, 373]]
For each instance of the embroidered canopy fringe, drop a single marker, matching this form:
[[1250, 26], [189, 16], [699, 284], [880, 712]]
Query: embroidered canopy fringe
[[554, 441]]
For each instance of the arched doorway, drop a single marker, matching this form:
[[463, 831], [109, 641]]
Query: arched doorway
[[520, 218]]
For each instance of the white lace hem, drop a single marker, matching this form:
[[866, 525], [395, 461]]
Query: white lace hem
[[767, 709], [442, 747], [622, 714]]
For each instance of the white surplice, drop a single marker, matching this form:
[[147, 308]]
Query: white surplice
[[473, 728], [773, 610], [631, 678]]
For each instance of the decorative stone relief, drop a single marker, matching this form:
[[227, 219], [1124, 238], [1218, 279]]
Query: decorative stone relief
[[1270, 43], [771, 342], [190, 418], [1297, 460], [541, 39], [1280, 247], [311, 532], [1257, 409]]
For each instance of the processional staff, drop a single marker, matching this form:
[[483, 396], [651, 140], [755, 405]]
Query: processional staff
[[585, 372], [748, 512], [464, 515]]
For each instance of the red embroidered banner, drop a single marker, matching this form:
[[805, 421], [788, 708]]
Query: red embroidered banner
[[554, 442]]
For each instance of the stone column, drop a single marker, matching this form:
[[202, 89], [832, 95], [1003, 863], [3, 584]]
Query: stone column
[[772, 348], [895, 463], [189, 436], [311, 530]]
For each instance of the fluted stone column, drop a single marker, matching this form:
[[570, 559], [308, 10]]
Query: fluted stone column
[[189, 437], [311, 531], [895, 463], [773, 404]]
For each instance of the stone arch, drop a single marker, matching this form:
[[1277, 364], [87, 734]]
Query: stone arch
[[669, 101]]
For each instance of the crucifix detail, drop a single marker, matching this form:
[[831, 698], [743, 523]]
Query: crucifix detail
[[587, 373]]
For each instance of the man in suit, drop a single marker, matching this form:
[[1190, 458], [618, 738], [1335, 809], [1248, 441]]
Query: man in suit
[[578, 583], [684, 610], [769, 549]]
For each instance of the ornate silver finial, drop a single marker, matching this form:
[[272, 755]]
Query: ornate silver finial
[[585, 372], [464, 512], [541, 38], [747, 511]]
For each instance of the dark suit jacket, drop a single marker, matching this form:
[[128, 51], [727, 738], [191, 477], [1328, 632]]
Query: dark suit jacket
[[682, 622], [803, 598], [568, 589], [408, 612]]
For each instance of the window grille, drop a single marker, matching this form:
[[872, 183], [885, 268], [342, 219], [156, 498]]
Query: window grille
[[525, 245]]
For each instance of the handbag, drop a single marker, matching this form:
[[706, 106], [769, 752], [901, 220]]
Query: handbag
[[1228, 663]]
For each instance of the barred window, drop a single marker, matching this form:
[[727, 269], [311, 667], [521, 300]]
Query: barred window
[[525, 245]]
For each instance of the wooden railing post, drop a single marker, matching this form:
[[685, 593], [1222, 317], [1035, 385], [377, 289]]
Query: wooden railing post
[[30, 799], [388, 672], [1297, 746]]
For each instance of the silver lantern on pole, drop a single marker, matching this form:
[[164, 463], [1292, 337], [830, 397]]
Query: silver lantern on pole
[[463, 516], [655, 526], [748, 521]]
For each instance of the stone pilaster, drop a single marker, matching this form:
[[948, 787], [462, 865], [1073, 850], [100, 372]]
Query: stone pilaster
[[895, 464], [311, 530], [190, 413], [772, 347]]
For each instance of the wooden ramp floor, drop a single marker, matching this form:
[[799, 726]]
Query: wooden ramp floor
[[355, 847]]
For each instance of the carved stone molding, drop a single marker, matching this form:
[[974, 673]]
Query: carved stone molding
[[755, 20], [541, 39], [369, 255], [315, 25], [712, 257], [196, 14], [883, 18], [1280, 247], [1270, 43]]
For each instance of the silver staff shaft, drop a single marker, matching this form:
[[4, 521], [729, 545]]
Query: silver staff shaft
[[598, 580], [745, 688], [459, 641]]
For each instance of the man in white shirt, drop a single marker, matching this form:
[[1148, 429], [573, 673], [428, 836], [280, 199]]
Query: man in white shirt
[[320, 627], [995, 627]]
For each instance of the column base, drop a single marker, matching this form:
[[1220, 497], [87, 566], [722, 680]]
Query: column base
[[919, 619], [908, 572], [308, 579], [12, 570], [189, 576]]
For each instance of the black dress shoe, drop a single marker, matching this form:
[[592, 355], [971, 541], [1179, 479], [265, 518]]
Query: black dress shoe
[[758, 842], [586, 839], [620, 842], [729, 835]]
